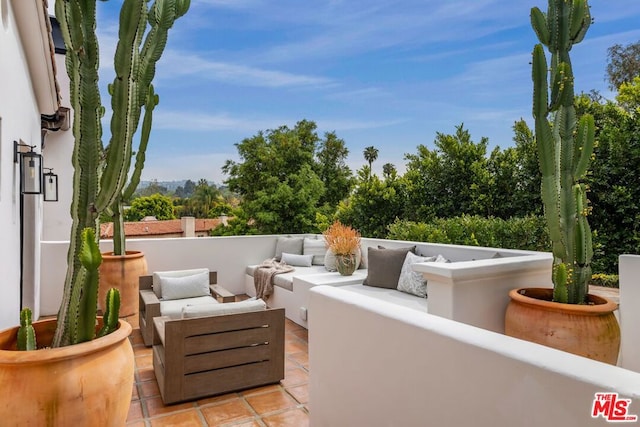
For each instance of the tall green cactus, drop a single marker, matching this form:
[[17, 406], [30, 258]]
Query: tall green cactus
[[565, 145], [101, 173]]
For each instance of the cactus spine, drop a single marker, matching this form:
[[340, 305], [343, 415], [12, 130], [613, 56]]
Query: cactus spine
[[565, 145], [100, 173]]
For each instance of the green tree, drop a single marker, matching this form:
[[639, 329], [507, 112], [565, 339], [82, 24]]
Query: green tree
[[373, 205], [370, 155], [623, 64], [450, 180], [614, 190], [186, 190], [333, 171], [389, 171], [156, 205], [629, 95], [276, 179]]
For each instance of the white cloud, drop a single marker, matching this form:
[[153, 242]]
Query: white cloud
[[176, 64]]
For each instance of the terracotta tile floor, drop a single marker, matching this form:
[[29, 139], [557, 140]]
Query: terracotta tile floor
[[277, 405]]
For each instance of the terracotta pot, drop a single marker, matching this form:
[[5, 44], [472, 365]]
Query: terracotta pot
[[589, 330], [122, 272], [87, 384]]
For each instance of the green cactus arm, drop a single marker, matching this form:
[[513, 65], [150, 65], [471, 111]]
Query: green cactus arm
[[151, 102], [539, 77], [112, 310], [560, 288], [539, 24], [580, 30], [26, 333], [124, 102], [585, 138], [117, 215], [553, 25], [578, 12], [91, 259], [583, 246]]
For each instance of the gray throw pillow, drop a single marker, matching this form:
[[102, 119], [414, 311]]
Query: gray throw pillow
[[290, 245], [385, 266]]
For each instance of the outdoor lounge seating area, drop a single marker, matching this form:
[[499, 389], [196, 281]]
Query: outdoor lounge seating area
[[463, 314]]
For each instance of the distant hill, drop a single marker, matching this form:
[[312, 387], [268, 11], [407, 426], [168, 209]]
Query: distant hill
[[170, 185]]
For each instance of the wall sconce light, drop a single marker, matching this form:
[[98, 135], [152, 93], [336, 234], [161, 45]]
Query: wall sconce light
[[50, 185], [30, 168]]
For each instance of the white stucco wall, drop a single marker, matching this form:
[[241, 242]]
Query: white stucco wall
[[374, 363], [58, 150], [19, 120]]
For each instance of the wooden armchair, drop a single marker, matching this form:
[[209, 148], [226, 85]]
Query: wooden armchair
[[150, 304], [205, 356]]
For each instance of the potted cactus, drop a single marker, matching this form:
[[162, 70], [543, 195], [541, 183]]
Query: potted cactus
[[82, 370], [567, 316]]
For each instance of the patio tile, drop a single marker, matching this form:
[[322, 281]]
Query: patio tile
[[261, 390], [135, 412], [300, 393], [134, 392], [141, 351], [144, 362], [155, 406], [136, 424], [303, 334], [294, 345], [181, 419], [149, 388], [271, 402], [295, 376], [217, 399], [146, 374], [292, 418], [227, 412], [300, 358], [252, 423]]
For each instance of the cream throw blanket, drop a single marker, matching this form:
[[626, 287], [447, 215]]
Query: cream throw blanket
[[263, 276]]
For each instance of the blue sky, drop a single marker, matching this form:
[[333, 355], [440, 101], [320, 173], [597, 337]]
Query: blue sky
[[379, 72]]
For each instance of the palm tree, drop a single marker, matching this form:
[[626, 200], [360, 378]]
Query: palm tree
[[370, 155]]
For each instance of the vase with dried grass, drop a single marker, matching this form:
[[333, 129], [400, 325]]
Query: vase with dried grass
[[344, 242]]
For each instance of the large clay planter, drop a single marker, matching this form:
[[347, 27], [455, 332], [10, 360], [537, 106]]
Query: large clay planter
[[122, 272], [86, 384], [589, 330]]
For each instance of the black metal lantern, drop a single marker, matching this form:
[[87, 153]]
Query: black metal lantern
[[50, 189], [30, 168]]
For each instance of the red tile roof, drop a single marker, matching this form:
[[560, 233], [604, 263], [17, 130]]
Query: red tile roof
[[157, 228]]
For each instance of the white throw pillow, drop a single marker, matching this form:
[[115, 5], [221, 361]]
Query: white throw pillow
[[297, 260], [315, 247], [410, 281], [202, 310], [157, 286], [196, 285], [330, 260]]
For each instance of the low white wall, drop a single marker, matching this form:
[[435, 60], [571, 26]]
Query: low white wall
[[372, 364], [229, 256], [629, 267]]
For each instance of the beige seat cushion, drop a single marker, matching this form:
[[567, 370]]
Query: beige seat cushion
[[173, 308]]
